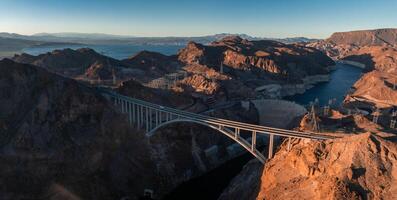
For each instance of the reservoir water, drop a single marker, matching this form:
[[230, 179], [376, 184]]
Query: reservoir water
[[118, 51], [342, 79]]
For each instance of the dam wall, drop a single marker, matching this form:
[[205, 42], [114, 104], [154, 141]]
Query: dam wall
[[277, 113]]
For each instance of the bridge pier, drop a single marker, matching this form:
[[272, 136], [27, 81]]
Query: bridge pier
[[253, 142], [289, 144], [122, 106], [147, 119], [236, 133], [271, 143], [157, 118], [141, 116]]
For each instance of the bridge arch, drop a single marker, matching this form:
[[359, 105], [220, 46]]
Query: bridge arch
[[225, 131]]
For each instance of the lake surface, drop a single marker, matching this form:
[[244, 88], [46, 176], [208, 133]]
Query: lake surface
[[342, 79], [115, 51]]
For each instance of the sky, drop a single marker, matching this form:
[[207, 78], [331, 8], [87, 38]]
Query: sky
[[261, 18]]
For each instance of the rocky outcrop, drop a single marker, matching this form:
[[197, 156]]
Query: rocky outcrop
[[83, 63], [343, 44], [355, 167], [377, 37], [378, 58], [378, 89], [153, 64]]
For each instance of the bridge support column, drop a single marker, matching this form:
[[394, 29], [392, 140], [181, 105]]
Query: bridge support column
[[142, 117], [253, 142], [150, 119], [271, 142], [236, 133], [289, 144], [138, 107], [129, 113], [157, 118], [147, 119], [122, 105], [115, 101], [160, 117], [133, 113]]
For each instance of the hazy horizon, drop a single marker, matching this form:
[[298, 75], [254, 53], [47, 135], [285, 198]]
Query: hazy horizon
[[311, 19]]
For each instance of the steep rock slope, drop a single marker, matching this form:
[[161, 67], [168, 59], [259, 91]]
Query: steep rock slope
[[375, 88], [375, 58], [59, 139], [356, 167]]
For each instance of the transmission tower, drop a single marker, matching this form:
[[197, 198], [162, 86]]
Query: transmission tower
[[315, 125]]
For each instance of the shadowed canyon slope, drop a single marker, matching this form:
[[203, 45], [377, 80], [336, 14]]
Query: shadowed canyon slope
[[61, 139]]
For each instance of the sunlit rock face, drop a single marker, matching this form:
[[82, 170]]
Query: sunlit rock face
[[269, 56], [355, 167], [250, 64], [375, 88], [380, 58]]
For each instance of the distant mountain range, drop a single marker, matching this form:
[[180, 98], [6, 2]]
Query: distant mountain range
[[98, 38]]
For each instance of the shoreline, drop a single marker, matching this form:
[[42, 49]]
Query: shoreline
[[352, 63]]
